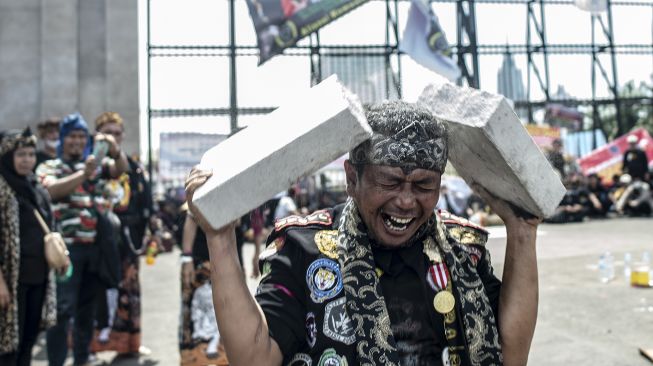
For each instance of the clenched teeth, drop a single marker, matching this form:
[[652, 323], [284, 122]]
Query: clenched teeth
[[395, 223], [400, 220], [389, 224]]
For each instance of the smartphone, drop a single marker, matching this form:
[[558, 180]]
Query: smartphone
[[100, 150]]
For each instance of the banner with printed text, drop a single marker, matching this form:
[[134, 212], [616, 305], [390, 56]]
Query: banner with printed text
[[279, 24], [179, 152]]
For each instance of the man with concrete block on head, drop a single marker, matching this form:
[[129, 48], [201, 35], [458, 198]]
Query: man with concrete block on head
[[382, 279]]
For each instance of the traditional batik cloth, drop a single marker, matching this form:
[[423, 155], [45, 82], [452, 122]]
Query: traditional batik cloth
[[332, 297], [121, 332], [198, 332], [119, 315]]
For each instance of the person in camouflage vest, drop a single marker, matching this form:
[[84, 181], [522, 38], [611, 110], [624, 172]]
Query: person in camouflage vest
[[74, 183]]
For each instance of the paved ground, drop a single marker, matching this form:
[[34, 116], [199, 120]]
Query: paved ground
[[581, 321]]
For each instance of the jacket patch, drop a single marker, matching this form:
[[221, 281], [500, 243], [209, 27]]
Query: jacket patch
[[324, 280], [327, 242], [337, 324], [316, 218]]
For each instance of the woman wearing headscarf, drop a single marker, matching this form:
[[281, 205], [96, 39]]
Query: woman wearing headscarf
[[27, 288]]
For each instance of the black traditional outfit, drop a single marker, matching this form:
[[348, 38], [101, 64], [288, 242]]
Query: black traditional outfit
[[22, 256]]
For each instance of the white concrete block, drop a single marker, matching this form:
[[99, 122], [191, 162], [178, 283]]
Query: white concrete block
[[489, 145], [320, 125]]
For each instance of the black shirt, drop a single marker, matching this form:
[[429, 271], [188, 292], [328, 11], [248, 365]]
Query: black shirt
[[417, 329], [635, 163], [33, 266]]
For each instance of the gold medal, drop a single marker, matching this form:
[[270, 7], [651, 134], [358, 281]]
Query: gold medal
[[444, 302]]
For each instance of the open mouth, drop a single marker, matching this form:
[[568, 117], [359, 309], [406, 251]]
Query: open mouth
[[395, 223]]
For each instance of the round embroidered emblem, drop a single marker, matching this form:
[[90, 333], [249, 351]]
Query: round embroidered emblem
[[311, 329], [324, 279], [337, 324], [331, 358], [301, 359]]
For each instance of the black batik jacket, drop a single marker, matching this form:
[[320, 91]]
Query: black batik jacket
[[301, 292]]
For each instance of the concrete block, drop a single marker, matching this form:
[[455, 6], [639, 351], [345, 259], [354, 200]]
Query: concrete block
[[298, 138], [489, 145]]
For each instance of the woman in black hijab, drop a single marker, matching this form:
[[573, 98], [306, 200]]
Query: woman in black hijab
[[27, 292]]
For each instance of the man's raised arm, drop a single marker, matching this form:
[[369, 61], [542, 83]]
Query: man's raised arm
[[519, 290], [240, 319]]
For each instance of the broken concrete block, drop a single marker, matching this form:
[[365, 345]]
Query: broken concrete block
[[295, 140], [489, 145]]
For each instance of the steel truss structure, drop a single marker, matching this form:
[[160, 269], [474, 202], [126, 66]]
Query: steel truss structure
[[466, 48]]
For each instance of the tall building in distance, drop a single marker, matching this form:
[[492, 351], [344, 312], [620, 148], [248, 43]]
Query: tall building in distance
[[510, 83], [509, 80]]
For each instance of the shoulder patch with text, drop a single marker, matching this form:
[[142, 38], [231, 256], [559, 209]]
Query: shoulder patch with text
[[321, 217]]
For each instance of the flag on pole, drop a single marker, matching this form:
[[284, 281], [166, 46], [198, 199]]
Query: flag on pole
[[425, 42], [279, 24], [593, 6]]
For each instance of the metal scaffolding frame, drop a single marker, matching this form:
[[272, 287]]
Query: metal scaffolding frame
[[466, 49]]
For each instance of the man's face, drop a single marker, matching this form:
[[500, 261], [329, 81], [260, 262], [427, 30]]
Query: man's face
[[392, 204], [51, 134], [113, 129], [74, 144]]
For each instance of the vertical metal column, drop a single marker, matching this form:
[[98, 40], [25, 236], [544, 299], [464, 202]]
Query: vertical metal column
[[595, 112], [615, 82], [387, 51], [545, 54], [529, 62], [233, 101], [466, 28], [392, 78], [149, 98], [396, 25], [539, 48], [315, 57]]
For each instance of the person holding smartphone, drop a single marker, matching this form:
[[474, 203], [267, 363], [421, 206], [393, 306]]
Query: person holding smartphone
[[74, 183], [129, 198]]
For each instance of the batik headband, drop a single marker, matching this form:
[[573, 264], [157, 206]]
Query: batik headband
[[11, 140], [405, 136]]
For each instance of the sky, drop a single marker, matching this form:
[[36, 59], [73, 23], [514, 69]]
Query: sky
[[203, 82]]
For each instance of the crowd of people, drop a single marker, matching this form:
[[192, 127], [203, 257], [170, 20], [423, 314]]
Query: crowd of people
[[628, 193], [81, 184], [99, 199]]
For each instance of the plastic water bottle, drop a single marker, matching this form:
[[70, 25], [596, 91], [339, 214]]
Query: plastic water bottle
[[646, 258], [628, 261], [610, 265], [606, 267], [603, 277]]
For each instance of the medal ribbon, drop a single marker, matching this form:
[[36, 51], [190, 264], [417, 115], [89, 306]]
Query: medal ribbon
[[439, 275]]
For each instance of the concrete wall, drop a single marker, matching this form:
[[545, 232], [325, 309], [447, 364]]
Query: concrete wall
[[61, 56]]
